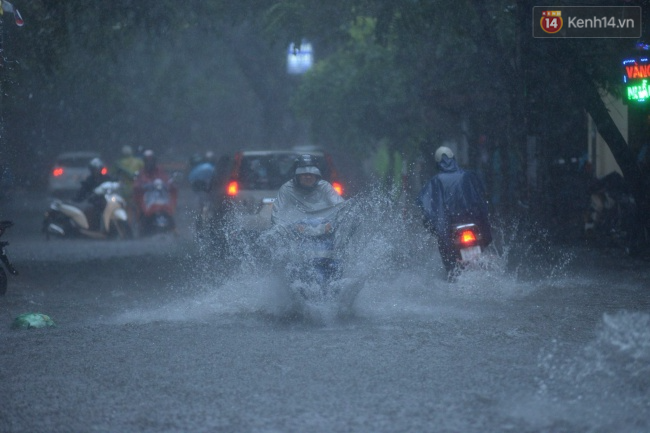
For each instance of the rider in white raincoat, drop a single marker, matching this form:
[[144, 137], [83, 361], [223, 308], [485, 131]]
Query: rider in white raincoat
[[309, 237], [307, 194]]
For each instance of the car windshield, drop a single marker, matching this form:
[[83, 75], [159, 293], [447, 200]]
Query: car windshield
[[265, 171], [270, 171]]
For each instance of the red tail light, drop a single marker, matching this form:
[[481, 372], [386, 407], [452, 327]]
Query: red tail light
[[104, 171], [233, 188], [467, 237], [338, 187], [58, 171]]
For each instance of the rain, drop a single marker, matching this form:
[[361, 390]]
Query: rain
[[207, 320]]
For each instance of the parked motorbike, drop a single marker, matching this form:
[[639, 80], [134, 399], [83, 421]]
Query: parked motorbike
[[4, 225], [69, 220], [157, 208], [611, 216]]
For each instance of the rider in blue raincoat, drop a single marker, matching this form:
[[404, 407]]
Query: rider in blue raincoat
[[450, 197], [201, 174]]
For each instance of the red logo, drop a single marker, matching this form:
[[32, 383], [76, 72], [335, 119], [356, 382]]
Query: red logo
[[551, 21]]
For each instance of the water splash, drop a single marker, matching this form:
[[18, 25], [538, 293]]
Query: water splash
[[389, 260], [622, 348], [527, 249], [608, 381]]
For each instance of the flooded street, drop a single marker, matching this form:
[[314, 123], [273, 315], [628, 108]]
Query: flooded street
[[305, 177], [150, 337]]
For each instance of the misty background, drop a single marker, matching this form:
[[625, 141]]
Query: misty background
[[399, 77]]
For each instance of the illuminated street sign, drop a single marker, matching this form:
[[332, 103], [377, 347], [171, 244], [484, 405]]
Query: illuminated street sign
[[636, 78]]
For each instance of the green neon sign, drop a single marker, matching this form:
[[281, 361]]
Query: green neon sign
[[638, 91]]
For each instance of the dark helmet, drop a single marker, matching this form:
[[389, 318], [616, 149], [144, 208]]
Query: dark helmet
[[196, 159], [149, 159], [306, 164], [96, 166]]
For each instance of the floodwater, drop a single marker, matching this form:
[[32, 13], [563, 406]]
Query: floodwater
[[152, 335]]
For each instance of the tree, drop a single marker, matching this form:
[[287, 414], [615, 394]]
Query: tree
[[534, 86], [145, 73]]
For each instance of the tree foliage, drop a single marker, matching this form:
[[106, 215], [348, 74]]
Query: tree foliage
[[412, 73], [174, 77], [449, 64]]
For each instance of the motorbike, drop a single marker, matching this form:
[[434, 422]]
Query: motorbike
[[611, 215], [316, 264], [4, 225], [157, 208], [311, 253], [66, 220], [467, 244]]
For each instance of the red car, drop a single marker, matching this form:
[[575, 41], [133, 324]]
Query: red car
[[255, 176]]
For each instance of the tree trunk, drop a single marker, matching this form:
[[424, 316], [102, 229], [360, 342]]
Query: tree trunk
[[511, 67], [623, 154]]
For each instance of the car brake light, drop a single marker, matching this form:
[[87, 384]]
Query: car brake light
[[338, 187], [467, 236], [58, 171], [233, 188]]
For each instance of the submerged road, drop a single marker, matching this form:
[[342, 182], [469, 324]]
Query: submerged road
[[150, 336]]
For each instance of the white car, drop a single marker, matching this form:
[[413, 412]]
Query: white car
[[70, 168]]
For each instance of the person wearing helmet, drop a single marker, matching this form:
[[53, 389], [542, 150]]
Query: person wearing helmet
[[149, 173], [453, 195], [202, 171], [150, 162], [126, 168], [305, 193], [98, 175], [147, 177]]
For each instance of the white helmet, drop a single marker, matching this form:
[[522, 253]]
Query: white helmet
[[443, 150]]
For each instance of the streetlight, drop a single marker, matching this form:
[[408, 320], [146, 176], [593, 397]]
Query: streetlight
[[300, 58]]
